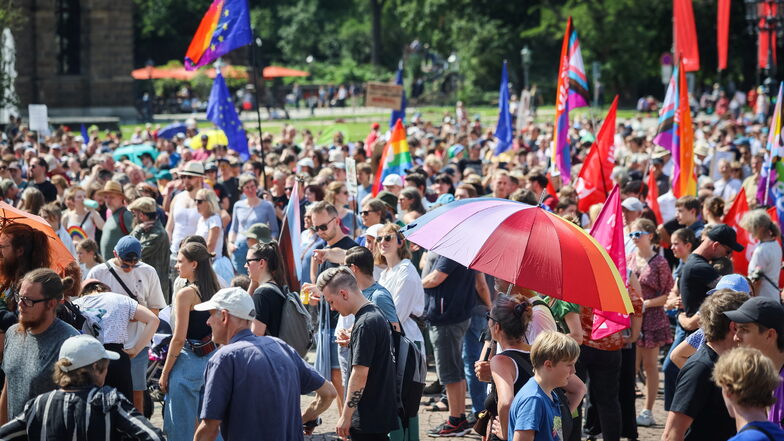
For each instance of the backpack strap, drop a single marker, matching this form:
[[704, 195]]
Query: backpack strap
[[274, 287], [124, 286], [81, 224], [752, 426]]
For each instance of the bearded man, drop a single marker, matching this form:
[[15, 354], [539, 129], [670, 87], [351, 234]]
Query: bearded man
[[38, 332]]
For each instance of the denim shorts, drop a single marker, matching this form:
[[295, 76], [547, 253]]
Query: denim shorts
[[448, 350], [139, 370]]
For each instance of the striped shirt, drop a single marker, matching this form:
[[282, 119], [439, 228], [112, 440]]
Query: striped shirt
[[84, 414]]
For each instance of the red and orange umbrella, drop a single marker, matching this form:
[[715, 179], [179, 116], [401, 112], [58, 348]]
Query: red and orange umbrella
[[524, 245], [59, 256]]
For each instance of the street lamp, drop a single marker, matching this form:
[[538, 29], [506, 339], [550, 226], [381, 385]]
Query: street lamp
[[766, 16], [525, 57]]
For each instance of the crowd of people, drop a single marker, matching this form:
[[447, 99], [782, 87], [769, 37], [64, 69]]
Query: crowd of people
[[184, 243]]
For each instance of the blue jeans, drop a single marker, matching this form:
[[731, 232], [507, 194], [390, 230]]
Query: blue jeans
[[472, 350], [670, 370], [238, 256], [182, 402]]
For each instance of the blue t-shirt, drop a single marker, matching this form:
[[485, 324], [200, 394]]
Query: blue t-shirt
[[383, 299], [253, 385], [750, 434], [533, 410]]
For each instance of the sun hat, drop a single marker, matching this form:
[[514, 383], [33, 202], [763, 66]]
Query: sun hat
[[193, 168], [259, 231], [83, 350], [235, 301], [111, 187]]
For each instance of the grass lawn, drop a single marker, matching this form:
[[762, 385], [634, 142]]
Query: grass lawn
[[356, 126]]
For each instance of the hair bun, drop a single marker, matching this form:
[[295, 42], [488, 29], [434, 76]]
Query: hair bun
[[520, 308]]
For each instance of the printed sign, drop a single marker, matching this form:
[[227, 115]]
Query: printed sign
[[388, 96]]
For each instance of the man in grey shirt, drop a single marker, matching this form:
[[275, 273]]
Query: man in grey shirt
[[33, 345]]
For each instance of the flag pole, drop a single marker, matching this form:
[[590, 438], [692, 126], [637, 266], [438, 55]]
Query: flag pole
[[256, 74]]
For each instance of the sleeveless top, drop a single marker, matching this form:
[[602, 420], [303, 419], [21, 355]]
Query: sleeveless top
[[525, 371], [197, 321]]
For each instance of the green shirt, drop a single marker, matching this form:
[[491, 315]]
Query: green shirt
[[560, 308]]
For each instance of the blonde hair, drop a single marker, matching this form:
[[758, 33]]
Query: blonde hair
[[714, 323], [402, 252], [332, 190], [748, 376], [81, 377], [553, 346], [757, 221], [211, 198]]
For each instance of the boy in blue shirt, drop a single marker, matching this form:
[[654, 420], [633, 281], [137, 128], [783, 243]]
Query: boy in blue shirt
[[535, 414], [747, 379]]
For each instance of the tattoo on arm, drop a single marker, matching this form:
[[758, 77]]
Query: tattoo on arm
[[355, 397]]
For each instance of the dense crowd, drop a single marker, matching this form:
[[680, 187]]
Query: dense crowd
[[174, 287]]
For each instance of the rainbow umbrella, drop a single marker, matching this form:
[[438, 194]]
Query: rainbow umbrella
[[524, 245]]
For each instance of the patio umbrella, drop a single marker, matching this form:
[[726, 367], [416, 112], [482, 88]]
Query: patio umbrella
[[524, 245], [279, 72], [59, 256]]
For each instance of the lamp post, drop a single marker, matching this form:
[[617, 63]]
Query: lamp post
[[766, 16], [525, 57]]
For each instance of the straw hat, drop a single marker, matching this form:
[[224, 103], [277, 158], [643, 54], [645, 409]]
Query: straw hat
[[193, 168], [112, 187]]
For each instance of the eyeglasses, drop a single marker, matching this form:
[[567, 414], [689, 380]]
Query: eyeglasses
[[367, 212], [254, 259], [387, 238], [638, 234], [490, 317], [324, 226], [28, 302]]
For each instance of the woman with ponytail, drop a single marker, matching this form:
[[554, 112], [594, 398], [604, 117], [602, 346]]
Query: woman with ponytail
[[191, 347], [267, 280], [765, 263]]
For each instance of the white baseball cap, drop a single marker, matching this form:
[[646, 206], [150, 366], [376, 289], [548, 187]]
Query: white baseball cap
[[373, 230], [632, 204], [83, 350], [393, 179], [235, 301]]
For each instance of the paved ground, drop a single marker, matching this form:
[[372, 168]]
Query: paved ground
[[429, 420]]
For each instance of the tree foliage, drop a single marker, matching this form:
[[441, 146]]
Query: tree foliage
[[626, 37]]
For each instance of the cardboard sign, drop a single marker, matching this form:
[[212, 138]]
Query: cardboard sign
[[39, 119], [351, 177], [388, 96]]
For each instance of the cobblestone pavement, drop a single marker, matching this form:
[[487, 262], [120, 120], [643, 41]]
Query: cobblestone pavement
[[429, 420]]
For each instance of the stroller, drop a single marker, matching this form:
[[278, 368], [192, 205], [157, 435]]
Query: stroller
[[158, 352]]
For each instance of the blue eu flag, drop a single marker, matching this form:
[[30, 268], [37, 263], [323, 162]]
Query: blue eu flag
[[220, 110], [503, 130], [399, 114]]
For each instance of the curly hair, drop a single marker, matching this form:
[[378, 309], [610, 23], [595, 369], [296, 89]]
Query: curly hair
[[712, 319]]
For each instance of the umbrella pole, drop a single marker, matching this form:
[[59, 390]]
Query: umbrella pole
[[256, 73]]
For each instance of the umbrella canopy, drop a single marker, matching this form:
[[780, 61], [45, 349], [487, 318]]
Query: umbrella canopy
[[179, 73], [172, 130], [278, 71], [59, 256], [134, 152], [214, 137], [524, 245]]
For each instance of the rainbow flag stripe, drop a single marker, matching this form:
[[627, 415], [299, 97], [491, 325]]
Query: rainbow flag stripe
[[396, 158], [225, 27]]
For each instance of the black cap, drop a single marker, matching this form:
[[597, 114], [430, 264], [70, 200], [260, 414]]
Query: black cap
[[725, 235], [760, 310]]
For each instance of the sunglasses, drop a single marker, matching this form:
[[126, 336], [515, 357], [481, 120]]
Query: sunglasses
[[638, 234], [387, 238], [199, 201], [255, 259], [28, 302], [367, 212], [288, 188], [490, 317], [324, 226]]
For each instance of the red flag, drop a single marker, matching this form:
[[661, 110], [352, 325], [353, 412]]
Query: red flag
[[765, 39], [608, 231], [652, 199], [594, 182], [740, 260], [723, 32], [685, 34]]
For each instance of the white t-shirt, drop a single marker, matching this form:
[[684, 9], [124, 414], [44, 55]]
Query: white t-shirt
[[203, 227], [142, 281], [185, 218], [767, 257], [108, 313], [405, 285]]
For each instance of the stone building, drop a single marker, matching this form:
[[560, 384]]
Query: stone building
[[76, 56]]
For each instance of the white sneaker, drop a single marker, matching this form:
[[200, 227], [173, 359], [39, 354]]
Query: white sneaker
[[645, 419]]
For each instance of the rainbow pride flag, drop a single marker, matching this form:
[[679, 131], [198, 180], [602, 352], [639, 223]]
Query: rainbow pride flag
[[225, 27], [572, 93], [770, 190], [396, 157], [666, 132]]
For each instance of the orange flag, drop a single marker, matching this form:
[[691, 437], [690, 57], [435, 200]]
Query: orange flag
[[652, 199]]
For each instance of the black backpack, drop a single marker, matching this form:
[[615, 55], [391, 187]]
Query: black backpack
[[411, 370], [71, 314]]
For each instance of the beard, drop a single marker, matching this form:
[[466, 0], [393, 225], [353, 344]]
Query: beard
[[9, 269], [27, 323]]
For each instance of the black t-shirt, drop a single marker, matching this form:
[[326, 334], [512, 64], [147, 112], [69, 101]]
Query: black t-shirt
[[697, 277], [269, 308], [346, 243], [232, 191], [698, 397], [371, 346], [48, 189], [474, 164]]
